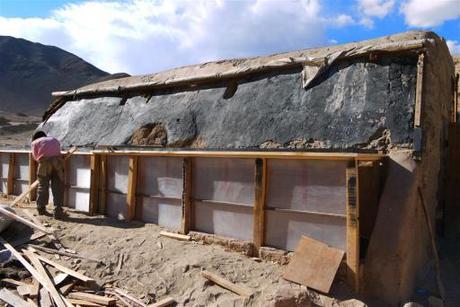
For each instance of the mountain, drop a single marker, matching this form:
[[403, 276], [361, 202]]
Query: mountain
[[29, 72]]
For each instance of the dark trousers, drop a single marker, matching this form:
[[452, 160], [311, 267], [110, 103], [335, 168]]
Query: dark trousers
[[50, 169]]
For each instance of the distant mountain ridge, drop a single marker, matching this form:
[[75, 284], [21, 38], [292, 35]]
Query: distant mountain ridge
[[29, 72]]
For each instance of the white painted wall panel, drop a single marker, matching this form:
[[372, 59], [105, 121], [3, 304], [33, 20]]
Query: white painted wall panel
[[308, 185], [163, 212], [21, 167], [283, 229], [117, 173], [79, 199], [161, 176], [226, 180], [224, 220], [4, 161], [20, 186], [116, 206]]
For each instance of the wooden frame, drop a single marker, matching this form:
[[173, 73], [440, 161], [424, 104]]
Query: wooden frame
[[32, 176], [186, 196], [352, 207], [94, 185], [132, 185], [419, 91], [11, 169], [259, 203], [102, 184]]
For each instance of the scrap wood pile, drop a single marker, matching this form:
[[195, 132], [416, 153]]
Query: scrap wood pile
[[52, 284]]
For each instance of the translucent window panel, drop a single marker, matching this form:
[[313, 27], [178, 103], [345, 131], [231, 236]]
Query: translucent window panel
[[163, 212], [226, 180], [162, 176], [80, 171], [283, 229], [20, 186], [21, 167], [117, 206], [307, 185], [117, 173], [79, 199], [223, 220], [4, 185]]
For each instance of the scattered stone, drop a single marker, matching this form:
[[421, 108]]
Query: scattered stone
[[352, 303]]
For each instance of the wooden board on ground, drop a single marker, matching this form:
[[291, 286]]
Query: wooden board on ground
[[45, 298], [175, 236], [241, 290], [164, 302], [314, 264], [102, 300], [12, 299]]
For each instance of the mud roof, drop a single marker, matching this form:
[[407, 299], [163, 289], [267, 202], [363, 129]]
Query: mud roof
[[234, 68]]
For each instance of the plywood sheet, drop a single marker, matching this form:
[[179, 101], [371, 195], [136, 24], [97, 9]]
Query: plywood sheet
[[224, 220], [21, 166], [284, 229], [117, 173], [161, 176], [307, 185], [80, 171], [79, 199], [226, 180], [163, 212], [117, 206], [314, 264]]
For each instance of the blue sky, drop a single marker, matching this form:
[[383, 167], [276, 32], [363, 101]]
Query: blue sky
[[144, 36]]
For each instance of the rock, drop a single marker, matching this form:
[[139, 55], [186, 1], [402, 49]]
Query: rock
[[352, 303], [288, 296], [412, 304]]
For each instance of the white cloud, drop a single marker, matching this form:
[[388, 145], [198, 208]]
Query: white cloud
[[454, 47], [429, 13], [376, 8], [343, 20], [144, 36]]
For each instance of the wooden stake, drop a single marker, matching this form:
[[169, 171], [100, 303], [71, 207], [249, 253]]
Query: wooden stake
[[24, 221], [240, 290], [352, 227], [12, 299], [175, 236], [102, 300], [10, 180], [94, 186], [103, 184], [419, 91], [164, 302], [132, 184], [32, 176], [259, 203], [186, 195]]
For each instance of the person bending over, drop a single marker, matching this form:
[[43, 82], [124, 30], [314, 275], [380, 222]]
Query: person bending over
[[46, 150]]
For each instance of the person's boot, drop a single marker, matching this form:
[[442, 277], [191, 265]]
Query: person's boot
[[42, 211], [59, 214]]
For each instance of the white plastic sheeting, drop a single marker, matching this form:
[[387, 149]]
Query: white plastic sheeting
[[4, 160], [79, 179], [223, 196], [161, 190], [21, 173], [117, 186], [315, 192]]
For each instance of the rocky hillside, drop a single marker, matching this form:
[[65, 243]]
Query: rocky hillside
[[29, 72]]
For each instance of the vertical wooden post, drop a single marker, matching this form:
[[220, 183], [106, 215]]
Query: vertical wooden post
[[140, 187], [186, 195], [32, 176], [419, 91], [103, 184], [352, 226], [132, 183], [66, 181], [94, 187], [11, 171], [259, 203]]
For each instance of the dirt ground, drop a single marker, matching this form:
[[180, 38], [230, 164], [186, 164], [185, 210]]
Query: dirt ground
[[155, 267]]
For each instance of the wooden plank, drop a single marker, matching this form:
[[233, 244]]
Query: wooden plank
[[45, 280], [164, 302], [66, 270], [132, 184], [186, 195], [259, 203], [419, 91], [103, 184], [10, 180], [62, 253], [24, 290], [65, 289], [14, 282], [121, 293], [176, 236], [19, 198], [352, 198], [94, 185], [35, 289], [41, 279], [314, 264], [248, 154], [224, 283], [12, 299], [32, 176], [82, 302], [59, 278], [102, 300], [24, 221], [45, 298]]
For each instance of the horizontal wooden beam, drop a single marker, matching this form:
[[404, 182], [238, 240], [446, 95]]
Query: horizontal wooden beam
[[249, 154]]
